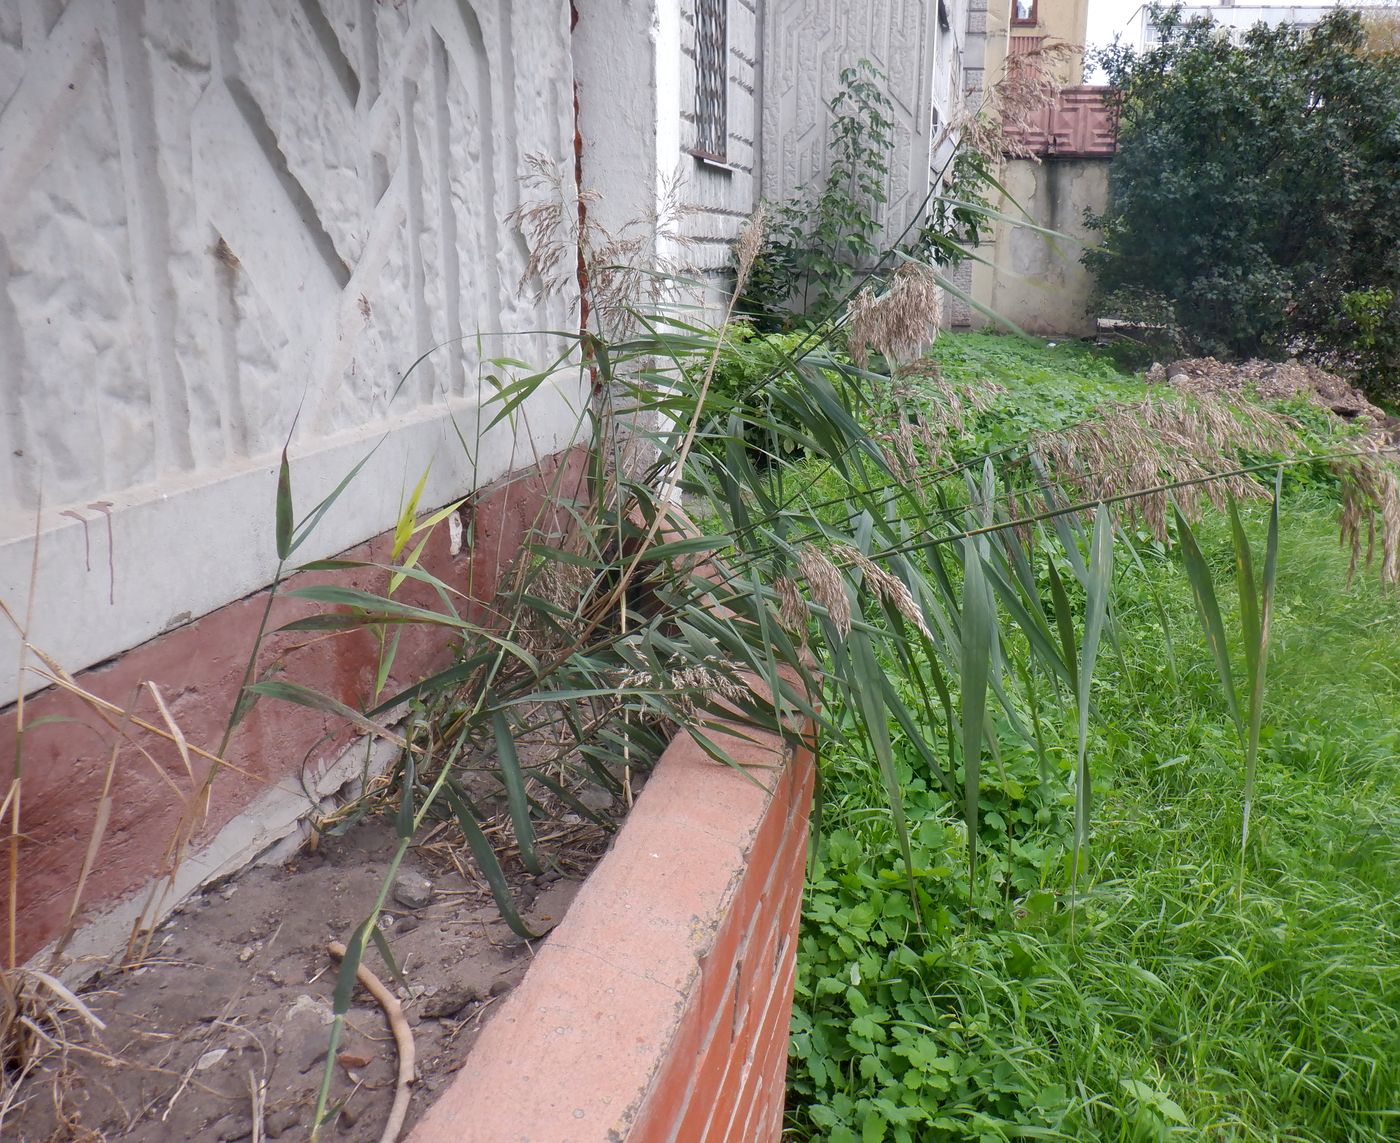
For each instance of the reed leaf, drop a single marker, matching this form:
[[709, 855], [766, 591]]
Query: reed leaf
[[284, 508], [513, 778], [1100, 578], [869, 695], [487, 861], [975, 664]]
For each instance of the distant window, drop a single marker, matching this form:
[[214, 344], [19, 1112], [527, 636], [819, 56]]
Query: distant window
[[1023, 11], [711, 78]]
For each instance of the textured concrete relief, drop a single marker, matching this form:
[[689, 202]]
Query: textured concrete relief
[[216, 212], [806, 47]]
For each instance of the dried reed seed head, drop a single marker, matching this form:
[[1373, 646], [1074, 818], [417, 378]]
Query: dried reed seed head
[[623, 268], [887, 586], [901, 455], [1029, 84], [827, 588], [708, 676], [792, 608], [691, 685], [996, 125], [1163, 439], [1370, 505], [900, 323], [749, 245]]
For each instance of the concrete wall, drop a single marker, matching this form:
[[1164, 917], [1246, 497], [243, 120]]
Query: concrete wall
[[1034, 281], [991, 39], [225, 218], [172, 819]]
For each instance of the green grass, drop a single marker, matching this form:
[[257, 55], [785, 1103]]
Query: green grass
[[1176, 999], [1048, 385]]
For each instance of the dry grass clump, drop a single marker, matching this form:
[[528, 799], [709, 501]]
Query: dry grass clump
[[899, 323], [1370, 512], [1258, 380], [1133, 449], [923, 411], [37, 1014]]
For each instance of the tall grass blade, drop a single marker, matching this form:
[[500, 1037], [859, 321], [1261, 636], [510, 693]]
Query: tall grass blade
[[315, 700], [1095, 616], [978, 623], [403, 527], [487, 862], [1248, 594], [865, 683], [381, 942], [1167, 645], [1208, 609], [1268, 579], [1064, 623], [405, 821], [308, 526], [284, 508]]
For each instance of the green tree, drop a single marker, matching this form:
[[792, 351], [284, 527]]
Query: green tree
[[1255, 199]]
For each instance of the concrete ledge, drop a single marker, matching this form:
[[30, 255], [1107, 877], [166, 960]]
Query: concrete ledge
[[658, 1010]]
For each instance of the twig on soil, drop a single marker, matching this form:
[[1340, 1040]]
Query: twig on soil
[[257, 1091], [403, 1039]]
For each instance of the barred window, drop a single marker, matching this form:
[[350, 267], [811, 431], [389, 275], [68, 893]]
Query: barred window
[[711, 78]]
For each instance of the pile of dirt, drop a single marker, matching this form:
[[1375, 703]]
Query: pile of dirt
[[220, 1032], [1273, 381]]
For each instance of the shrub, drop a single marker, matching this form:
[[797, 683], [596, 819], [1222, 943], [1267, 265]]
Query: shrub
[[1254, 190], [819, 239]]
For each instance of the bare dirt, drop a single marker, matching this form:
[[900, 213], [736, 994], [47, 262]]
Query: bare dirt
[[220, 1031]]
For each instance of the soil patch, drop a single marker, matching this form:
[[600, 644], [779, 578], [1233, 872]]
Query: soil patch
[[227, 1018]]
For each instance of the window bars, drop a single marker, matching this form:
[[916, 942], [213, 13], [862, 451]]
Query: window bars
[[711, 79]]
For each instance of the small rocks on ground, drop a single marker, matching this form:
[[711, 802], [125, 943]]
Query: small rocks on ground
[[449, 1001], [209, 1059], [412, 890], [597, 799], [231, 1128], [281, 1121]]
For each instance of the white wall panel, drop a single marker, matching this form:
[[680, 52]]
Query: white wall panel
[[221, 218]]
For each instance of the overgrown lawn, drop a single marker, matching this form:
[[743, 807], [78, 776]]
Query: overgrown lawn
[[1176, 997]]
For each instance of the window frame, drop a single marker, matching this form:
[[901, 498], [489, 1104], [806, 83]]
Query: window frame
[[1030, 21], [712, 82]]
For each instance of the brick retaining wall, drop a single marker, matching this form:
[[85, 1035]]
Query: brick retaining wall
[[658, 1010]]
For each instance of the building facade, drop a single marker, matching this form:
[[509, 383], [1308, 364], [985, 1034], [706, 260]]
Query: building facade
[[238, 229]]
